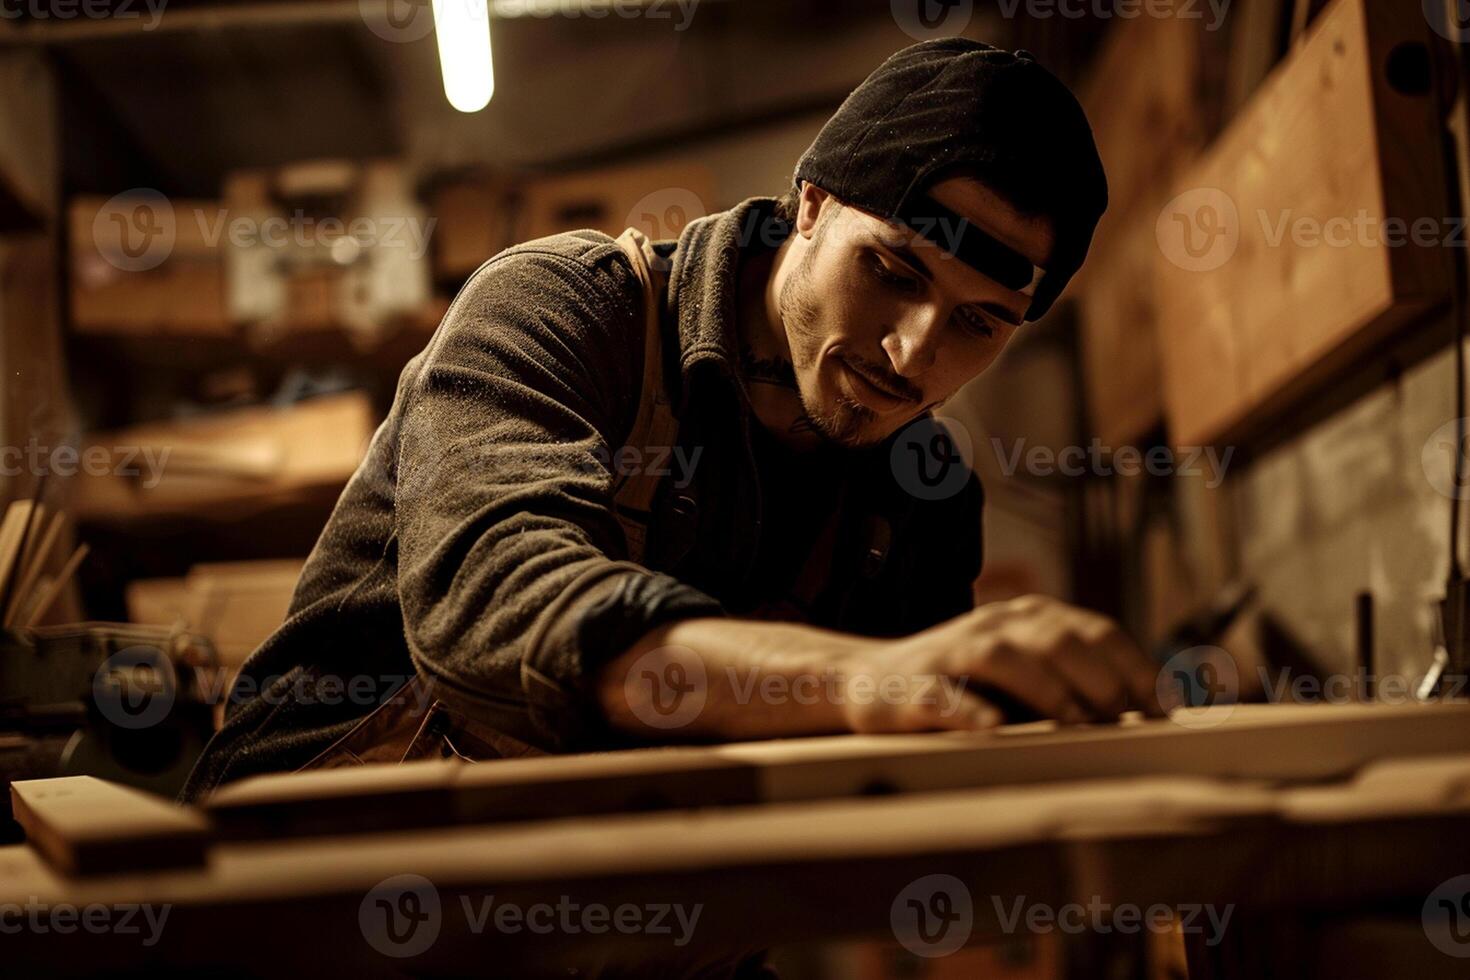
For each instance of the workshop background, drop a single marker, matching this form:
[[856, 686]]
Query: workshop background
[[225, 225]]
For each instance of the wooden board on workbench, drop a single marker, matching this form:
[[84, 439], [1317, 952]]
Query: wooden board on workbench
[[839, 868], [1274, 742]]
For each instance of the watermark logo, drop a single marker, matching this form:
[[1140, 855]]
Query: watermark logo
[[571, 918], [1283, 687], [135, 231], [63, 918], [1216, 10], [1204, 681], [44, 10], [401, 916], [399, 21], [1444, 445], [933, 916], [135, 687], [924, 20], [667, 688], [1446, 917], [600, 9], [1449, 19], [146, 463], [932, 458], [1199, 230], [678, 462], [663, 214], [1102, 918], [1097, 459]]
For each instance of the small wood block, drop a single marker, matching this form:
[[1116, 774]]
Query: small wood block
[[84, 825]]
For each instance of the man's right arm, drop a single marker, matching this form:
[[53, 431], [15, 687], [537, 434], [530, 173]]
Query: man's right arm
[[738, 679]]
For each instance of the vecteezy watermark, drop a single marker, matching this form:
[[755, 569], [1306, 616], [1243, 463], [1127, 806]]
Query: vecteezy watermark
[[933, 915], [63, 919], [678, 462], [924, 20], [136, 687], [1204, 682], [1362, 229], [145, 462], [302, 230], [1282, 687], [1450, 19], [1199, 230], [1101, 918], [1446, 917], [402, 916], [137, 230], [1215, 10], [406, 21], [680, 12], [664, 214], [1096, 459], [1438, 458], [933, 458], [151, 11], [668, 687]]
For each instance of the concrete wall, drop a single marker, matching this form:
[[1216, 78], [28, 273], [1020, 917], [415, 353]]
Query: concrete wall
[[1356, 503]]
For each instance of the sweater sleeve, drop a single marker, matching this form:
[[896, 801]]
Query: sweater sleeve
[[512, 571]]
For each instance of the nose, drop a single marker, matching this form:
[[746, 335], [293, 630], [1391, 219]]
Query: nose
[[912, 344]]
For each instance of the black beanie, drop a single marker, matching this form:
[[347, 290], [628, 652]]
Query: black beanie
[[952, 103]]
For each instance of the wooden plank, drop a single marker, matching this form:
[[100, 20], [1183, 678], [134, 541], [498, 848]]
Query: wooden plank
[[315, 444], [1146, 134], [12, 530], [1275, 272], [36, 612], [767, 875], [84, 825], [236, 604], [39, 557], [1271, 742]]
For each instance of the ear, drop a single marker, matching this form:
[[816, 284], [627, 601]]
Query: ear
[[809, 207]]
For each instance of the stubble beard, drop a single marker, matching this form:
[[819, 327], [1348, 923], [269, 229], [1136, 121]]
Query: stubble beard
[[843, 424]]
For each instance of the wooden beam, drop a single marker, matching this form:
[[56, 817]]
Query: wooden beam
[[1237, 742], [83, 825]]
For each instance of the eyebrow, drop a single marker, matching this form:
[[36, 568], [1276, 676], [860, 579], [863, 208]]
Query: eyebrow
[[911, 258]]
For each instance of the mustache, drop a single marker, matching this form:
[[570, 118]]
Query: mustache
[[880, 377]]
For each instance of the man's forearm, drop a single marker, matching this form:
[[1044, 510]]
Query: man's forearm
[[729, 679]]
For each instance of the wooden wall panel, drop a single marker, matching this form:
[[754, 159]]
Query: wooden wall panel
[[1146, 132], [1274, 273]]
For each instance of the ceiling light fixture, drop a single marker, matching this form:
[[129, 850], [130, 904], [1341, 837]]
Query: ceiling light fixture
[[462, 28]]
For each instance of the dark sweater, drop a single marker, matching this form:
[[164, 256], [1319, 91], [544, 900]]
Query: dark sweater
[[476, 543]]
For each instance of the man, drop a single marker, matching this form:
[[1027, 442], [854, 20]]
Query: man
[[785, 581]]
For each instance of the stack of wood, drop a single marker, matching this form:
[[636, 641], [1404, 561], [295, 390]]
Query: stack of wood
[[30, 582]]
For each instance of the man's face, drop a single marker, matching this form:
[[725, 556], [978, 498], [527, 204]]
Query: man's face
[[884, 324]]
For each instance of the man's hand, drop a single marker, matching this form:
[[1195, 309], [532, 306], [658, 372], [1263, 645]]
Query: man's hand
[[732, 679], [1055, 659]]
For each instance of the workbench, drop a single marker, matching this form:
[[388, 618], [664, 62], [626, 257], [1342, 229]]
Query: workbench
[[1294, 841]]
